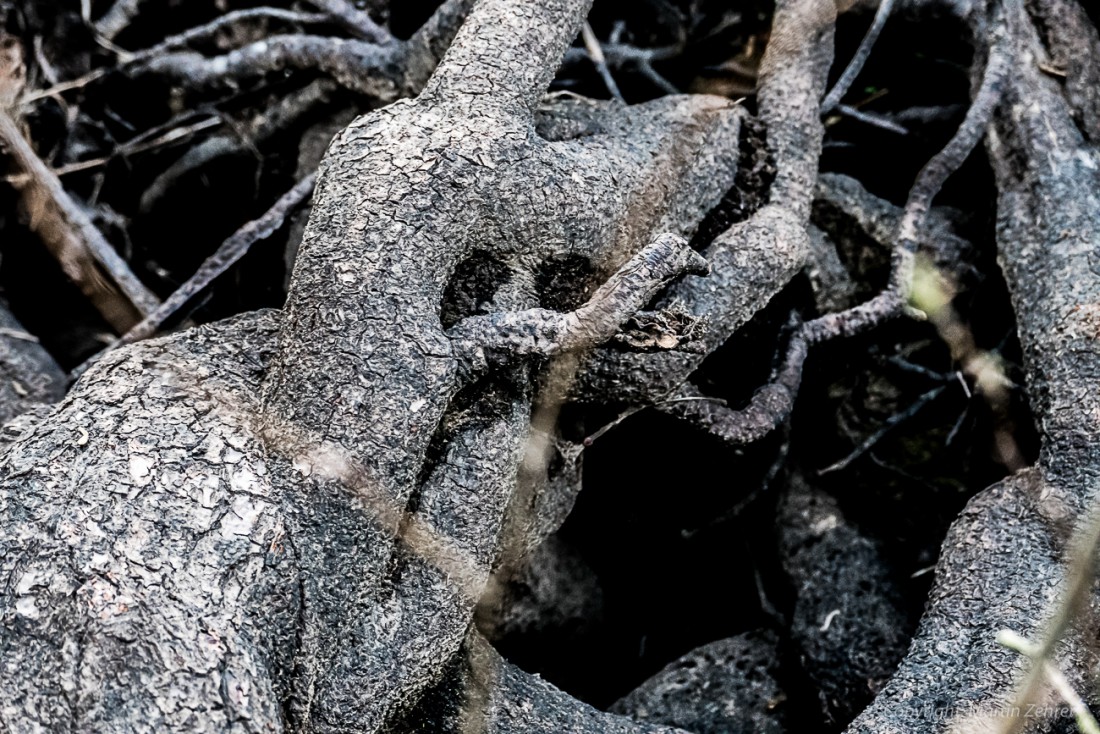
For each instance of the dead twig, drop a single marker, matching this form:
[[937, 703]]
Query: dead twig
[[832, 99], [887, 425], [232, 250], [871, 118], [63, 225], [128, 59], [623, 55], [357, 21], [284, 114], [592, 45], [69, 235]]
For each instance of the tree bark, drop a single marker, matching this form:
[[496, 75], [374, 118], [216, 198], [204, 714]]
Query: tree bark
[[284, 522]]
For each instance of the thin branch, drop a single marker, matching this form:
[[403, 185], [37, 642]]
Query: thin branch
[[871, 118], [599, 432], [207, 30], [179, 40], [285, 113], [72, 238], [620, 55], [592, 45], [832, 99], [357, 21], [887, 425], [232, 250]]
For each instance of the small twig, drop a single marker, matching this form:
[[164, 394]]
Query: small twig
[[918, 369], [179, 40], [618, 55], [591, 439], [357, 21], [592, 45], [887, 425], [832, 99], [958, 425], [73, 239], [871, 118], [284, 114], [232, 250], [131, 147]]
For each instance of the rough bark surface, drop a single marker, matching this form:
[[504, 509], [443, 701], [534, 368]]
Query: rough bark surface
[[29, 377], [1002, 561], [283, 522], [848, 624], [725, 687]]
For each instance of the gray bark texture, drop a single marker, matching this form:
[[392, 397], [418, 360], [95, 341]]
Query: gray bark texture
[[1002, 562], [723, 687], [286, 521]]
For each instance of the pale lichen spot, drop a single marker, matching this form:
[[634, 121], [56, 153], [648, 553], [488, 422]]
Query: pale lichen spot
[[141, 469], [824, 525], [241, 519], [26, 607]]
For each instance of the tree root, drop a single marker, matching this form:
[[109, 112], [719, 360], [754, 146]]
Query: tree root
[[1001, 566]]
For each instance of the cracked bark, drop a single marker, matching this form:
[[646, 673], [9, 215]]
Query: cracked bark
[[1002, 561], [284, 521]]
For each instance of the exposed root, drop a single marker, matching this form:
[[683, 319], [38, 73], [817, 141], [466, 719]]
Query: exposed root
[[772, 404]]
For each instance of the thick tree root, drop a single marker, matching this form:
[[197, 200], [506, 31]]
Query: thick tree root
[[728, 686], [1002, 562], [337, 482]]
